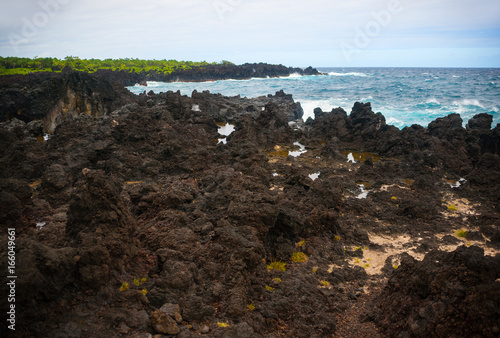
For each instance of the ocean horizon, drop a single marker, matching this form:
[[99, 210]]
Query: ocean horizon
[[405, 96]]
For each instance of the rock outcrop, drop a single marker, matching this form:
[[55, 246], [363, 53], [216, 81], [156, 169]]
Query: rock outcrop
[[52, 97], [137, 220], [448, 293]]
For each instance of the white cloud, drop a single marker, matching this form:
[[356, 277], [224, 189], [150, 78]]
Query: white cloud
[[296, 31]]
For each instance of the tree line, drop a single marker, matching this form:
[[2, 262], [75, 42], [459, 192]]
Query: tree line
[[17, 65]]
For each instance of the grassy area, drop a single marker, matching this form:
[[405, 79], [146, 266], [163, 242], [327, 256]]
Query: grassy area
[[15, 65]]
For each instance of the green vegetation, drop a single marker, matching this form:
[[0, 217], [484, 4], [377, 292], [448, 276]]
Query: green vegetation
[[451, 207], [221, 324], [281, 152], [277, 265], [461, 233], [324, 282], [124, 287], [16, 65], [299, 257], [268, 288], [277, 280], [250, 307]]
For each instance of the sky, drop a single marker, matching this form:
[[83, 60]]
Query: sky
[[318, 33]]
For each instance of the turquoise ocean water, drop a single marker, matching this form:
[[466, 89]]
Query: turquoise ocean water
[[405, 96]]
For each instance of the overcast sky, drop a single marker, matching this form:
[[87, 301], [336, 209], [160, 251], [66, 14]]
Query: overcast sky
[[338, 33]]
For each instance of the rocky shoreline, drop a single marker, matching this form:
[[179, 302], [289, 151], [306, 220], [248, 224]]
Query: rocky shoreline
[[207, 73], [132, 218]]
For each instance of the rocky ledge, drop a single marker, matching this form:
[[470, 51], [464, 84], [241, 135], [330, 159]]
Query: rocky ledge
[[138, 220]]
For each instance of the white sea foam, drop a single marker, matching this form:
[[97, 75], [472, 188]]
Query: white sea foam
[[432, 100], [155, 83], [395, 122], [294, 75], [468, 102], [348, 74]]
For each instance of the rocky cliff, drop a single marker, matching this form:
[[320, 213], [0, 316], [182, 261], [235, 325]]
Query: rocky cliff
[[52, 98]]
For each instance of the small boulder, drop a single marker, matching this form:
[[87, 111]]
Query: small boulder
[[163, 323], [173, 310]]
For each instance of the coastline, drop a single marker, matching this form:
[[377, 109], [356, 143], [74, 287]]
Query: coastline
[[139, 188]]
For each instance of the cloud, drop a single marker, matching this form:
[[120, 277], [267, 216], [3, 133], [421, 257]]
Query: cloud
[[237, 29]]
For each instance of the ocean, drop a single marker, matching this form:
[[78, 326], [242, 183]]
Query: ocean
[[405, 96]]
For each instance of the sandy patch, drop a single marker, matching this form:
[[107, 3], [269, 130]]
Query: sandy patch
[[458, 206]]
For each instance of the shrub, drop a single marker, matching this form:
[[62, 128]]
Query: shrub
[[451, 207], [461, 233], [299, 257], [250, 307], [324, 282], [277, 265], [124, 287]]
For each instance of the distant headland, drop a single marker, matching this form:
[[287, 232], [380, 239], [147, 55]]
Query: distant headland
[[131, 71]]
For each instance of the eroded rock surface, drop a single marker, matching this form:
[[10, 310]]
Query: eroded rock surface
[[138, 221]]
